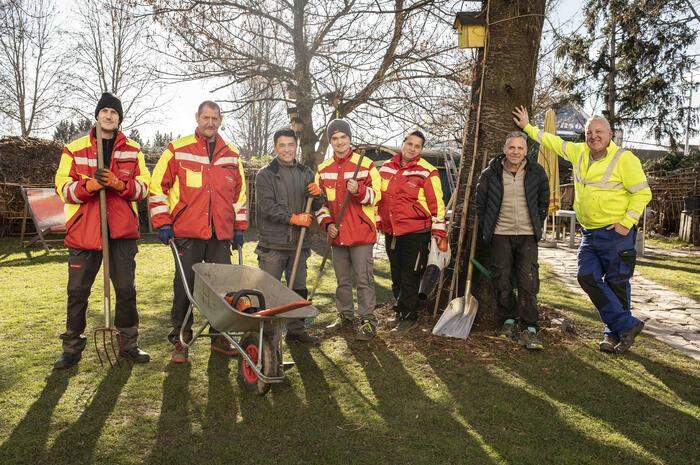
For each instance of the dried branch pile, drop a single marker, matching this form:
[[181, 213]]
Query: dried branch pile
[[24, 161], [669, 189]]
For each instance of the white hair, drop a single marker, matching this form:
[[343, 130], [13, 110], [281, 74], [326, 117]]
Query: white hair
[[596, 118], [515, 134]]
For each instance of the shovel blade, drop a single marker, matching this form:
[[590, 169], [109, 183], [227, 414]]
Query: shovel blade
[[457, 321]]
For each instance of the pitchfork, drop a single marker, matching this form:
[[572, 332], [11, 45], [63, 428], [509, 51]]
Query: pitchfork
[[108, 332]]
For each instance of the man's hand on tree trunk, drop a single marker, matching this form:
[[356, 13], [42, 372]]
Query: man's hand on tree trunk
[[520, 117]]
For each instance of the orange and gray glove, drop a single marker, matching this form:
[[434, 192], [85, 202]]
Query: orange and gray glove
[[314, 190], [303, 220], [93, 185], [109, 179], [442, 243]]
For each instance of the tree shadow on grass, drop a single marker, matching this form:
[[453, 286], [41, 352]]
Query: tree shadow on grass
[[77, 443], [662, 263], [27, 441], [523, 422], [174, 435], [637, 415], [419, 429]]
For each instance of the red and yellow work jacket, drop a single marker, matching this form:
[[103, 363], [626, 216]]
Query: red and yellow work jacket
[[82, 208], [357, 225], [193, 193], [411, 198]]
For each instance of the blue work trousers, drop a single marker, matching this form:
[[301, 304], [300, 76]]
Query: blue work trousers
[[606, 262]]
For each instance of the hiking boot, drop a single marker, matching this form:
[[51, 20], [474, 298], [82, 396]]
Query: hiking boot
[[221, 345], [365, 331], [180, 354], [341, 324], [404, 326], [608, 343], [302, 337], [66, 361], [508, 330], [530, 340], [627, 338], [136, 355]]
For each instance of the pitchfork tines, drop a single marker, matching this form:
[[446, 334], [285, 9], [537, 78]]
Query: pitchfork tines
[[108, 337]]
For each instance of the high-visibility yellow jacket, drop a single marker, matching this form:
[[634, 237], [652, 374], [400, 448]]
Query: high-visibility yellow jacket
[[195, 194], [611, 190], [82, 208]]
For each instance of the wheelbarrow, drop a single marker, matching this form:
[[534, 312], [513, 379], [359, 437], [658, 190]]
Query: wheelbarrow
[[255, 331]]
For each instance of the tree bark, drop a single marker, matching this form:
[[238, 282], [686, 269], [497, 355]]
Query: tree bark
[[509, 71]]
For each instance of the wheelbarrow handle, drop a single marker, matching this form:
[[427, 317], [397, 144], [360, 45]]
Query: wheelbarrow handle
[[180, 269], [240, 254]]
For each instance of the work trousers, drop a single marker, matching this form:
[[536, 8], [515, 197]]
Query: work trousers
[[355, 264], [606, 262], [193, 251], [280, 262], [83, 266], [515, 261], [408, 255]]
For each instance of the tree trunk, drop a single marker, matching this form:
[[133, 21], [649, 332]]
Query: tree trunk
[[509, 74]]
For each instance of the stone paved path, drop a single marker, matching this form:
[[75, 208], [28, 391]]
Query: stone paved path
[[670, 317]]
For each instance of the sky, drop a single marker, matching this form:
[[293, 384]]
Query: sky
[[178, 116]]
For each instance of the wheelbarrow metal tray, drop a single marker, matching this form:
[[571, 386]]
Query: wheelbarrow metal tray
[[212, 281]]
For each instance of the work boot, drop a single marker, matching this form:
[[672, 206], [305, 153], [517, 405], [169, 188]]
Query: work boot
[[530, 340], [403, 326], [608, 343], [66, 361], [221, 345], [301, 337], [180, 353], [508, 330], [627, 338], [341, 324], [136, 355], [365, 330]]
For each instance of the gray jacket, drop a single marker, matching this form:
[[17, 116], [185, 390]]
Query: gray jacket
[[272, 210]]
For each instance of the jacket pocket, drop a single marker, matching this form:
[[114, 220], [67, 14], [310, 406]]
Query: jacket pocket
[[193, 178]]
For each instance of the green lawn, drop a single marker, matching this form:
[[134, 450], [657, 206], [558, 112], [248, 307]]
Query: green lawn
[[677, 273], [399, 400]]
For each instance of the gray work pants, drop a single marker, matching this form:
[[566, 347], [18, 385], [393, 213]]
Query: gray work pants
[[355, 264], [280, 262]]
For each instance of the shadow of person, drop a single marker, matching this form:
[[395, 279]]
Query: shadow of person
[[173, 436], [420, 430], [221, 411], [684, 384], [86, 430], [27, 441]]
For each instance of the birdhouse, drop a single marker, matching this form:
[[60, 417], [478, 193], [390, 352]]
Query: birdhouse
[[471, 29]]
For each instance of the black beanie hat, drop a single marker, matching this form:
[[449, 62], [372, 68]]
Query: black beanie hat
[[110, 101], [339, 125]]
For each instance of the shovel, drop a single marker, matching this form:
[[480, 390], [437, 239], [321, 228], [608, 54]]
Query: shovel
[[458, 317]]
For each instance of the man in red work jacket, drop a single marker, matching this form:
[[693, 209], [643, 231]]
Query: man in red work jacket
[[198, 197], [354, 238], [78, 182], [410, 211]]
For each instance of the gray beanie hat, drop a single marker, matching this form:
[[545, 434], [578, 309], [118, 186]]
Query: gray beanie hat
[[339, 125]]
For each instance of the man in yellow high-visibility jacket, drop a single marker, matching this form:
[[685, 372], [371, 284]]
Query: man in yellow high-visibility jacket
[[611, 192]]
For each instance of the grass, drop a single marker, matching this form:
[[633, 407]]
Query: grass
[[399, 400], [667, 242], [677, 273]]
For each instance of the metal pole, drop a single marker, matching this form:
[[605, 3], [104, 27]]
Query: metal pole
[[686, 152]]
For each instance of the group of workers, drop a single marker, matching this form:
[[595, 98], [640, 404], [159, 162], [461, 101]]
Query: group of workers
[[197, 199]]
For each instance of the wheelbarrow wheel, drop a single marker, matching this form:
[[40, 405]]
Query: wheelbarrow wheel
[[246, 375]]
